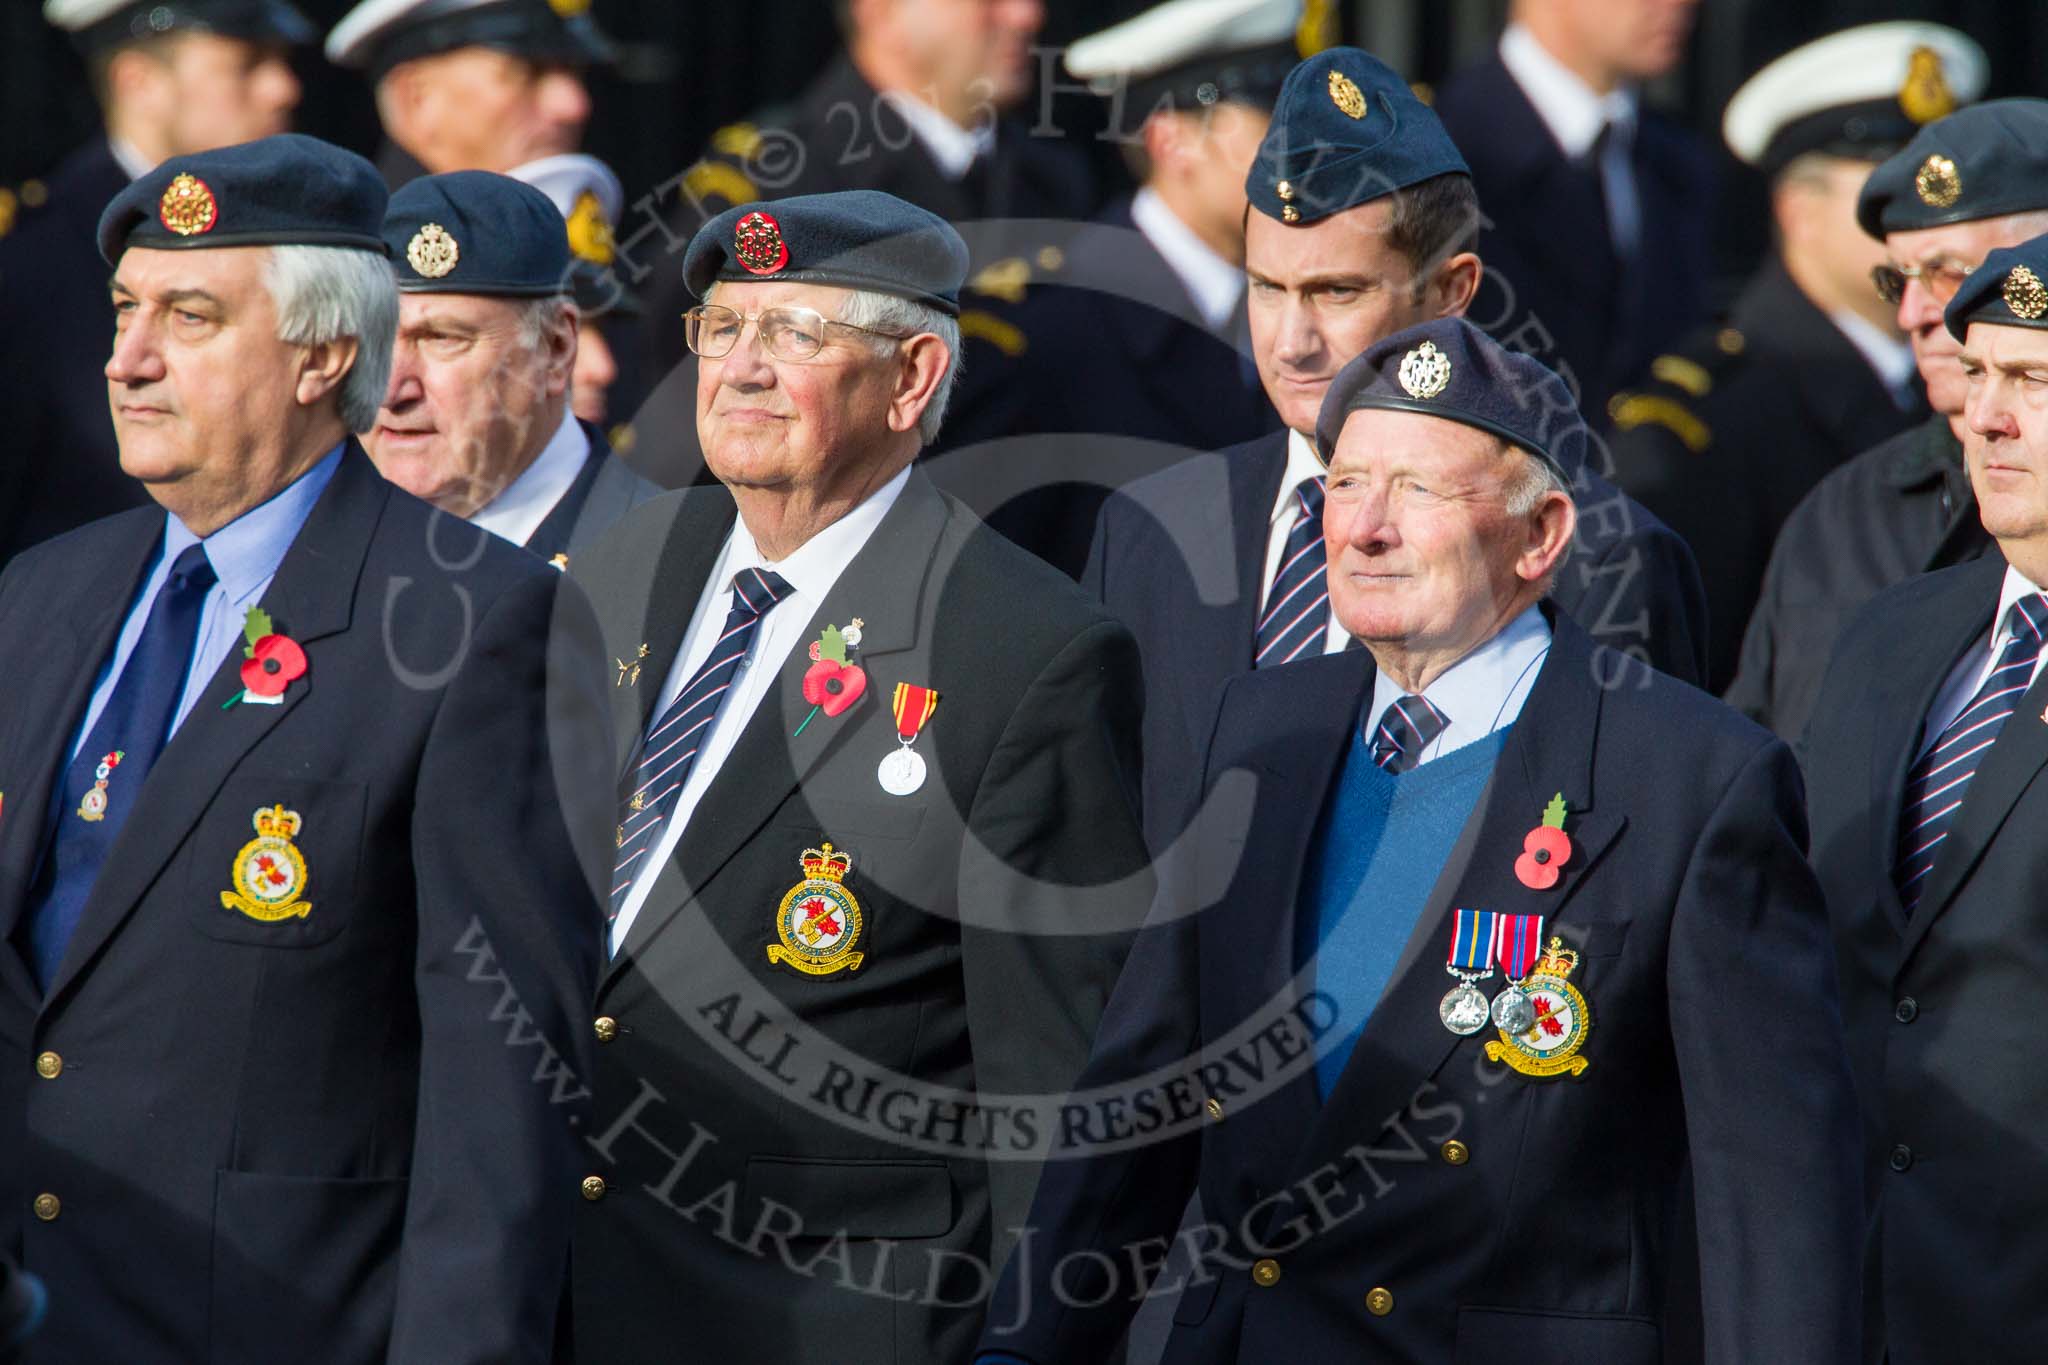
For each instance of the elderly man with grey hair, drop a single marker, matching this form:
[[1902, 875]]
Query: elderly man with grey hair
[[296, 845], [876, 856], [476, 419]]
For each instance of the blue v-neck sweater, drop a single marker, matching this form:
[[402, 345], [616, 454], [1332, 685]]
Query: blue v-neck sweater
[[1379, 848]]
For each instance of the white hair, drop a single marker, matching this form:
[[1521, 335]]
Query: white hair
[[536, 316], [907, 317], [325, 293]]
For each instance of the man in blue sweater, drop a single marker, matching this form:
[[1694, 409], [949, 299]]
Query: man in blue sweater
[[1497, 978]]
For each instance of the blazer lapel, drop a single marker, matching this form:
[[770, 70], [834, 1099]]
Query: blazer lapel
[[1550, 750], [886, 585], [81, 637], [311, 597], [1952, 622]]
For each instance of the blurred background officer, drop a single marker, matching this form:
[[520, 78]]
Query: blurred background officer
[[259, 1096], [1598, 210], [925, 103], [476, 419], [1964, 185], [1362, 223], [1924, 762], [987, 874], [1404, 1185], [472, 85], [1809, 368], [172, 77], [590, 199], [1142, 340]]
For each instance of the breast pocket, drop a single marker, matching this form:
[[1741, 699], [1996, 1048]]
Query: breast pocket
[[274, 860]]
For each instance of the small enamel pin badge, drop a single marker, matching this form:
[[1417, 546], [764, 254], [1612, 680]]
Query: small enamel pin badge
[[93, 808], [833, 682], [1545, 849], [270, 872], [629, 669]]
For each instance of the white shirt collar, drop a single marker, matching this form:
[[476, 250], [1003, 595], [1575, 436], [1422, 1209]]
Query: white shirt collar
[[1481, 692], [1213, 283], [814, 566], [1572, 110], [1302, 465], [1891, 356], [2017, 585], [517, 512], [129, 158], [954, 148]]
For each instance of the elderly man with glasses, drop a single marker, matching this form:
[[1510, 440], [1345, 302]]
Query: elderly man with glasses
[[876, 854], [1965, 186]]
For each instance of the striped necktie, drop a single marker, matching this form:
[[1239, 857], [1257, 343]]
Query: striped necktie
[[1297, 614], [1405, 731], [1941, 777], [670, 751]]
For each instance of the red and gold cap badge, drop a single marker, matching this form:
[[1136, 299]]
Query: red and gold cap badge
[[188, 207], [757, 244]]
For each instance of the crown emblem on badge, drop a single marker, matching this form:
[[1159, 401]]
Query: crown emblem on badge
[[1345, 94], [433, 251], [1425, 371], [1938, 183], [188, 207], [590, 236], [825, 865], [1557, 960], [2025, 294], [275, 822], [1926, 96], [757, 244]]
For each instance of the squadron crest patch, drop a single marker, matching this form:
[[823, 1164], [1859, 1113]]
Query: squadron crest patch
[[270, 872], [819, 921], [1560, 1020]]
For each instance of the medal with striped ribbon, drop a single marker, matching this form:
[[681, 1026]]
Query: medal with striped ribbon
[[903, 772], [1464, 1009]]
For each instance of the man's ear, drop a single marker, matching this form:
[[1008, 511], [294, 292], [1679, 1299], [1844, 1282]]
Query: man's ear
[[1452, 286], [1552, 524], [921, 363], [323, 368], [558, 347]]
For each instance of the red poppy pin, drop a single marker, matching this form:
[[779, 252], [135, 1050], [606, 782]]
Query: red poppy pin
[[1545, 849], [270, 663], [831, 683]]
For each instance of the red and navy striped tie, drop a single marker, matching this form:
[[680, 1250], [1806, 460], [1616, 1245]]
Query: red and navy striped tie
[[1298, 608], [670, 751], [1405, 731], [1939, 780]]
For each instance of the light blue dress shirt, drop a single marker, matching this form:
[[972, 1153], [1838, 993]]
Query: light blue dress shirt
[[245, 554]]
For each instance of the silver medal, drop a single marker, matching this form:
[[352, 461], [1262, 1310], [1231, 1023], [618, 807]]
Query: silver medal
[[1464, 1009], [902, 772], [1513, 1012]]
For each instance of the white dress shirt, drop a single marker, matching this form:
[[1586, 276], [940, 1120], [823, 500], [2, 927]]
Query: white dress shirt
[[517, 512], [1889, 354], [1213, 283], [129, 158], [1302, 465], [1481, 692], [1575, 113], [952, 147], [810, 571], [1970, 671]]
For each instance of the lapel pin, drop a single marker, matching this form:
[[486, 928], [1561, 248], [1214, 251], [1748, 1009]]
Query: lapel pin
[[1545, 849], [271, 662], [833, 683], [629, 670], [93, 807]]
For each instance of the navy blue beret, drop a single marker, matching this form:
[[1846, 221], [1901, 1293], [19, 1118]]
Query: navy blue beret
[[379, 34], [861, 239], [287, 190], [1981, 162], [100, 25], [476, 232], [2009, 290], [1450, 369], [1346, 130]]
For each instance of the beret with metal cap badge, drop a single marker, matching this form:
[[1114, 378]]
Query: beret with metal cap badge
[[2009, 290], [1450, 369], [1985, 161], [476, 232], [286, 190], [859, 239], [1346, 130]]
